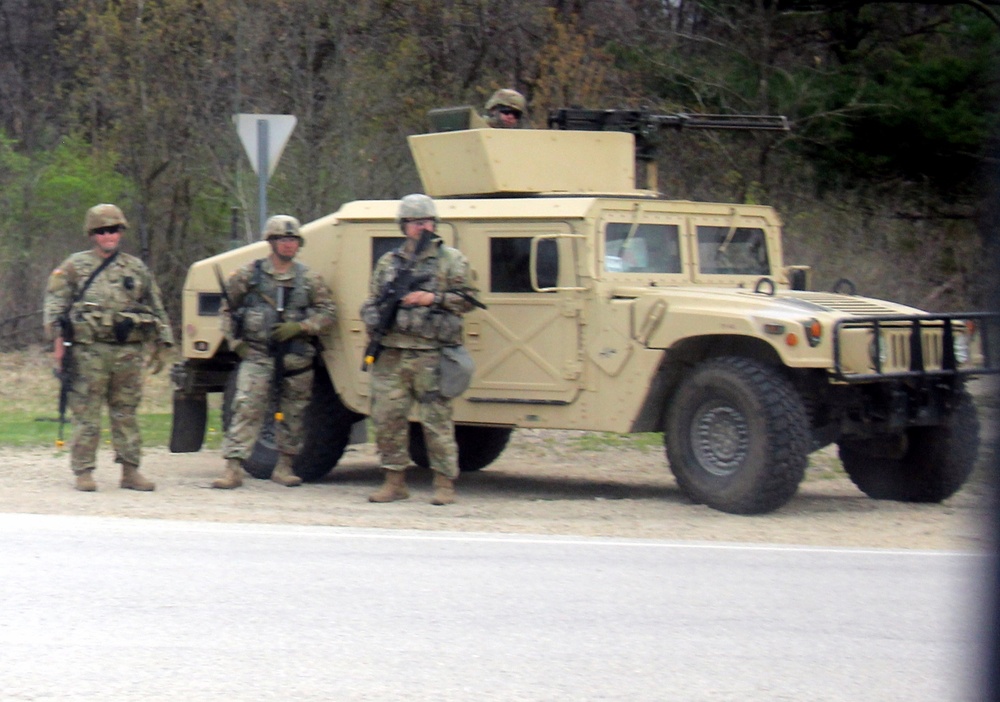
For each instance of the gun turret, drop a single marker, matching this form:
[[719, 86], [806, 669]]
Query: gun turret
[[647, 125]]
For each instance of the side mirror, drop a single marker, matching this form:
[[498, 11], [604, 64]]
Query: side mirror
[[799, 277]]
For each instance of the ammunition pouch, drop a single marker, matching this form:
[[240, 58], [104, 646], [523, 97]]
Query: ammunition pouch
[[431, 323], [95, 323], [122, 329]]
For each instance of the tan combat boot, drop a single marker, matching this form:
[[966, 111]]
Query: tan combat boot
[[282, 473], [132, 479], [233, 477], [444, 490], [85, 481], [394, 488]]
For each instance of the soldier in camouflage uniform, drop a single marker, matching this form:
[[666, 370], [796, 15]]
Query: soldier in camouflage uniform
[[112, 306], [407, 370], [278, 305], [505, 109]]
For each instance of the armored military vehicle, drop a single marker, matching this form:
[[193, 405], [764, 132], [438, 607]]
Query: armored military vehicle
[[610, 308]]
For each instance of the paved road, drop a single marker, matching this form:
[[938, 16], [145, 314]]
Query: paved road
[[118, 609]]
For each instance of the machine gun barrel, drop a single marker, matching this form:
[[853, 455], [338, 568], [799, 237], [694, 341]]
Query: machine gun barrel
[[642, 122], [646, 126]]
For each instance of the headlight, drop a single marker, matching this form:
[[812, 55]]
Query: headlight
[[960, 342], [882, 351]]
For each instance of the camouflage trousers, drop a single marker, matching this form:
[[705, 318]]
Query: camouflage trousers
[[252, 401], [402, 377], [112, 374]]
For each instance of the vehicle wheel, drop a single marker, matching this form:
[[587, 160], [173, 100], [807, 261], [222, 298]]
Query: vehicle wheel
[[327, 427], [920, 464], [477, 446], [189, 419], [737, 436]]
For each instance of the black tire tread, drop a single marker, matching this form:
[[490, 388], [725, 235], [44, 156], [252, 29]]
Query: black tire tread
[[934, 465], [788, 440], [477, 446]]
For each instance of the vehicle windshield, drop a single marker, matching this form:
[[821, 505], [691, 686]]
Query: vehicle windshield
[[652, 248], [732, 251]]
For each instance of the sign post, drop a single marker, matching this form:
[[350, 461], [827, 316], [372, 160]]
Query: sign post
[[264, 138]]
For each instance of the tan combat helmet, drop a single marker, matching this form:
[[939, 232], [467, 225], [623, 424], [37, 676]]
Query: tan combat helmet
[[282, 225], [507, 97], [104, 215], [416, 206]]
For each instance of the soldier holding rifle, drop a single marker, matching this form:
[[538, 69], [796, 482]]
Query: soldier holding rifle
[[409, 325], [102, 307], [273, 308]]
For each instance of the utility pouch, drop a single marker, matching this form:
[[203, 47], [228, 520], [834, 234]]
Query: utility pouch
[[123, 328], [457, 368]]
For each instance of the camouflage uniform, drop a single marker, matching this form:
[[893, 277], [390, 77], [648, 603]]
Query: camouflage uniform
[[308, 300], [120, 309], [407, 370]]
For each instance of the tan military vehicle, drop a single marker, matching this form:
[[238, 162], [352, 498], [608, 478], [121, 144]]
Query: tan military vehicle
[[610, 308]]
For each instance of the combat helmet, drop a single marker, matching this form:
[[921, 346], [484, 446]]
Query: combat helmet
[[507, 97], [103, 215], [416, 206], [283, 225]]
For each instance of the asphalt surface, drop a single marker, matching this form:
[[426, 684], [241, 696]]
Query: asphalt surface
[[117, 609]]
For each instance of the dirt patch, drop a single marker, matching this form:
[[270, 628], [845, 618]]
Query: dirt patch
[[542, 484], [546, 482]]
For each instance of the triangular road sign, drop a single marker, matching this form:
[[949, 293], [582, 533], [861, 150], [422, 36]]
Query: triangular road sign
[[278, 129]]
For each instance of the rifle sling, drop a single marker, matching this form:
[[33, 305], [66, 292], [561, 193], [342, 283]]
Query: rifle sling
[[90, 279], [83, 289]]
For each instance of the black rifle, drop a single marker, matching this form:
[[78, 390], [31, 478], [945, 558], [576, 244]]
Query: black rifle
[[236, 315], [67, 370], [278, 349], [392, 295]]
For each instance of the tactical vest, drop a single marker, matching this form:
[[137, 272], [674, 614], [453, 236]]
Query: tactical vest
[[434, 326], [114, 307], [260, 307]]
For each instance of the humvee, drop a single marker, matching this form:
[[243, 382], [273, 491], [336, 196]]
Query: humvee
[[613, 309]]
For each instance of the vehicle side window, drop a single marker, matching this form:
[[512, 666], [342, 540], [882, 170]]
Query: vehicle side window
[[382, 244], [739, 251], [509, 260], [652, 248]]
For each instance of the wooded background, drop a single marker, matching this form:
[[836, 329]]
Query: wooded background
[[893, 108]]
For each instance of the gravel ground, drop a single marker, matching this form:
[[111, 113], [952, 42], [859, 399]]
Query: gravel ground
[[542, 484]]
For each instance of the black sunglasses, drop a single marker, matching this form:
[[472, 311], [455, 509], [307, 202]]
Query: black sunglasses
[[509, 111], [113, 229]]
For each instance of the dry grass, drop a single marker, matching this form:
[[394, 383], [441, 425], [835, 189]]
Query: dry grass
[[28, 385]]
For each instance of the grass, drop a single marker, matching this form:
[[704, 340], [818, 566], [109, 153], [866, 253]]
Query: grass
[[28, 430], [602, 441], [29, 404]]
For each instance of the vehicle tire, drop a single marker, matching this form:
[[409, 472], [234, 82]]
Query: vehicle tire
[[477, 446], [188, 422], [327, 426], [737, 436], [920, 464]]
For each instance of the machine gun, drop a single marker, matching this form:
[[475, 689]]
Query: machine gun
[[388, 303], [646, 127]]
